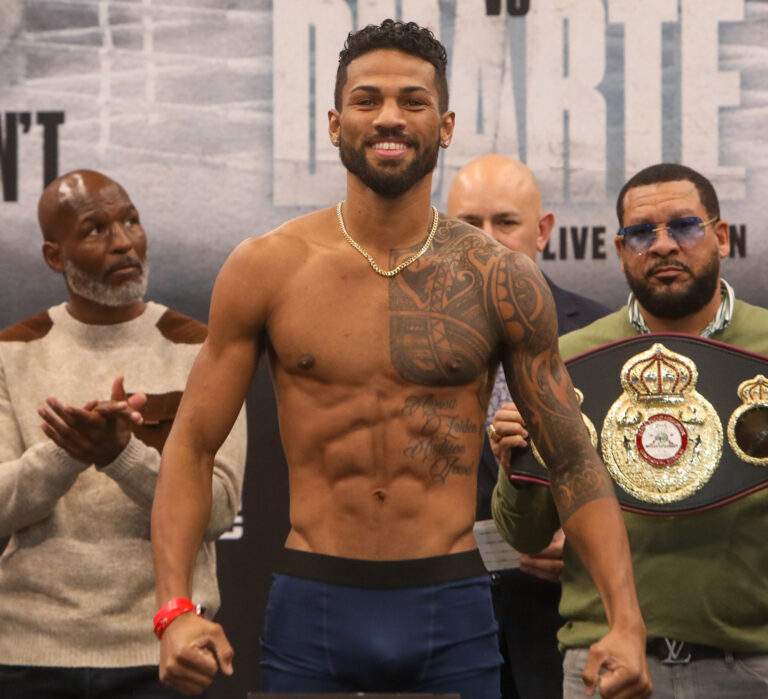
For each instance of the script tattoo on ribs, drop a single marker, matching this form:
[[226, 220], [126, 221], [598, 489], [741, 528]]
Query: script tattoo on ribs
[[440, 444]]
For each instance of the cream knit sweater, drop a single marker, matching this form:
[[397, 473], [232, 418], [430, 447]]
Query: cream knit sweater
[[77, 580]]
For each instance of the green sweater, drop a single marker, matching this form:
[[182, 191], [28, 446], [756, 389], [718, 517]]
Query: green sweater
[[701, 578]]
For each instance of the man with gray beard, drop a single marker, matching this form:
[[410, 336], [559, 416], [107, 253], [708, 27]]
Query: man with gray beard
[[78, 474]]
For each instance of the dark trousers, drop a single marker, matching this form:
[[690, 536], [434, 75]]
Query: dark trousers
[[526, 609], [31, 682]]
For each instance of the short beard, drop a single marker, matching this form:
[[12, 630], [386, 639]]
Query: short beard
[[388, 184], [676, 305], [95, 289]]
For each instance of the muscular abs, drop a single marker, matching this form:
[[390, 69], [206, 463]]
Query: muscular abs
[[382, 389]]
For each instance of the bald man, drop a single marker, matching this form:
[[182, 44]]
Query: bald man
[[78, 473], [501, 196]]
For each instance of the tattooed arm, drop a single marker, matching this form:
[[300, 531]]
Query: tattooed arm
[[581, 488]]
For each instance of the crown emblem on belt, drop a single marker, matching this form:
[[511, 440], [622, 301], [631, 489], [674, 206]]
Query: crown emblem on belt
[[754, 391], [659, 374]]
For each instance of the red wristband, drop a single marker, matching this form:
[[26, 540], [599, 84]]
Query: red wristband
[[170, 610]]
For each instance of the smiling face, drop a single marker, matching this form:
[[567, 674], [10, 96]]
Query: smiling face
[[389, 129], [670, 281], [94, 238]]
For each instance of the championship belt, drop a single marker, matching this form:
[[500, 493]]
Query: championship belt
[[683, 421]]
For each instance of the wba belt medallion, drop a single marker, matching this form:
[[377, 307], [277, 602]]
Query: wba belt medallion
[[748, 424], [661, 440]]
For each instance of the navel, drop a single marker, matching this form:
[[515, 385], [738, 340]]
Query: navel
[[306, 361], [380, 494]]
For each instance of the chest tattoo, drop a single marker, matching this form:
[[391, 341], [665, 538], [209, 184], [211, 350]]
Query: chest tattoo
[[439, 323]]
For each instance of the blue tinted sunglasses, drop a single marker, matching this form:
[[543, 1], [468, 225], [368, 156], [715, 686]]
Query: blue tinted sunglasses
[[685, 231]]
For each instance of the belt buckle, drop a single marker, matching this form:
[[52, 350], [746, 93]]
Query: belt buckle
[[678, 652]]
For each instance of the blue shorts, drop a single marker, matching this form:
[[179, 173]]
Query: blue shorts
[[345, 625]]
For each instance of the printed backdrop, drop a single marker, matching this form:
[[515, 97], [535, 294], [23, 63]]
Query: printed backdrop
[[212, 114]]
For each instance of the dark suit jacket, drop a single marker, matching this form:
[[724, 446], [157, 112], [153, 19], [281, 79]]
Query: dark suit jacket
[[573, 312]]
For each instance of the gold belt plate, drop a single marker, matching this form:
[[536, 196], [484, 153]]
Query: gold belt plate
[[661, 439], [748, 424]]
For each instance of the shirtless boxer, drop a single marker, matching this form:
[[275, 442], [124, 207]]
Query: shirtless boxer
[[384, 325]]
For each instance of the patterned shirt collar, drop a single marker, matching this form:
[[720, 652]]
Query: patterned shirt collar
[[719, 322]]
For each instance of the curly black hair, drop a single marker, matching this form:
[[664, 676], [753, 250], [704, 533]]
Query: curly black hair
[[407, 37], [671, 172]]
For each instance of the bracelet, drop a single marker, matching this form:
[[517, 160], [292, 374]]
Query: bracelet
[[170, 610]]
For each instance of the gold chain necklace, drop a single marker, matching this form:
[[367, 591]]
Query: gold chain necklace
[[367, 256]]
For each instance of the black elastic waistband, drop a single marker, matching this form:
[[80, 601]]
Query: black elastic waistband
[[412, 572]]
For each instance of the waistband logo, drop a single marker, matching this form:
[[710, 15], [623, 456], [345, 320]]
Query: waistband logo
[[674, 653]]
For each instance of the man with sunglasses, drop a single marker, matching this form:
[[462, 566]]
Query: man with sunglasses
[[706, 615]]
